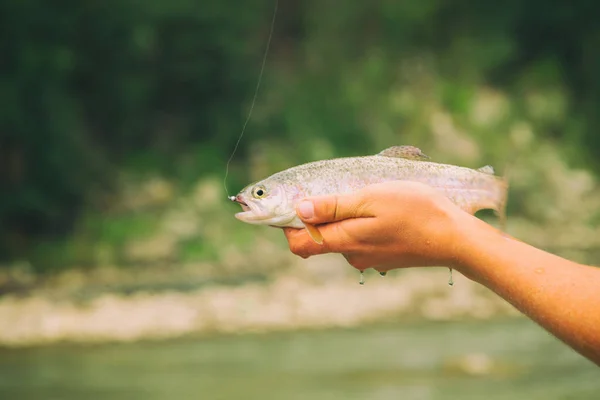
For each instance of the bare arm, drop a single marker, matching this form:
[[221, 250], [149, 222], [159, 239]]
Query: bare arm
[[404, 224], [560, 295]]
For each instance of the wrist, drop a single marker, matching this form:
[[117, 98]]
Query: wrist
[[475, 242]]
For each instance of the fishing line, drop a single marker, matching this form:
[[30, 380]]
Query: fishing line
[[253, 99]]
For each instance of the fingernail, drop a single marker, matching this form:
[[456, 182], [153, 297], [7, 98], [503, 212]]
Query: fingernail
[[306, 209]]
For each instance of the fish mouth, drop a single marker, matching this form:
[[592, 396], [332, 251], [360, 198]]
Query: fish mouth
[[245, 206], [256, 218], [249, 213], [252, 214], [238, 199]]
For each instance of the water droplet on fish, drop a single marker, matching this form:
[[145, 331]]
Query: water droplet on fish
[[362, 278], [450, 281], [383, 273]]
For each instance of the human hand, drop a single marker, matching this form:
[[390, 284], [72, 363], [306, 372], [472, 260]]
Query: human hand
[[404, 224], [383, 226]]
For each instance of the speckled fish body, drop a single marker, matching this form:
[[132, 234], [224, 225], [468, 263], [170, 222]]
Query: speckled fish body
[[271, 201]]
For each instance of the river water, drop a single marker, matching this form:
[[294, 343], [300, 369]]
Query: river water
[[498, 359]]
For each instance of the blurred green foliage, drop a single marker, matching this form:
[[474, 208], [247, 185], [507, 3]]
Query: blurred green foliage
[[92, 90]]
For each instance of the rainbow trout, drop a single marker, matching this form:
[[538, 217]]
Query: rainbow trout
[[272, 201]]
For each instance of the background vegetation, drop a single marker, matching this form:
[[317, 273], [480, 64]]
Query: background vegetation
[[118, 117]]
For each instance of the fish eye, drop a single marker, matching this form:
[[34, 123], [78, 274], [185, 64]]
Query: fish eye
[[259, 192]]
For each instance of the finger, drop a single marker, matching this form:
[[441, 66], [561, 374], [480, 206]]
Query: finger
[[338, 238], [325, 209], [301, 244], [292, 233], [288, 231]]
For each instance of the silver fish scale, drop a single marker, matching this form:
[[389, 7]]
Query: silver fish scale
[[470, 189], [346, 174]]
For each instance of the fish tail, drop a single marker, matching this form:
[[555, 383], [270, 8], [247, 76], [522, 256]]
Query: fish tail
[[501, 207], [504, 185]]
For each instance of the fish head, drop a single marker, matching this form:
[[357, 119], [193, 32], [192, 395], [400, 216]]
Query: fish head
[[266, 203]]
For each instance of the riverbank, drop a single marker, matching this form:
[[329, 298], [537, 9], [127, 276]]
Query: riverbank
[[316, 293]]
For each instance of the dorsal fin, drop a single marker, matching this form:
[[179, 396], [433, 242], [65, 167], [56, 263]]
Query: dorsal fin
[[486, 169], [409, 152]]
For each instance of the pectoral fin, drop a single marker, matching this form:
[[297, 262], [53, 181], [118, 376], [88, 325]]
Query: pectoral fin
[[314, 233]]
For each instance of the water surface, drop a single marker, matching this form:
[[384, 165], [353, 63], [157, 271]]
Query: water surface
[[509, 359]]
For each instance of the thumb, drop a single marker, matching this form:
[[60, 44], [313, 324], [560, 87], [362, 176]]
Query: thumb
[[324, 209]]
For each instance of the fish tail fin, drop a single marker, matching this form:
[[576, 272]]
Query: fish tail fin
[[504, 184], [501, 207]]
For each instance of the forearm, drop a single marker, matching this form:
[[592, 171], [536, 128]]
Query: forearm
[[560, 295]]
